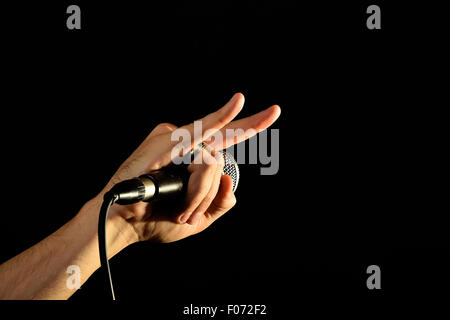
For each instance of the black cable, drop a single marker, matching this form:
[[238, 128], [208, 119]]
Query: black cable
[[108, 201]]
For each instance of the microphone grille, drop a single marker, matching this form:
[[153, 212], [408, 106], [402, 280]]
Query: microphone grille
[[231, 168]]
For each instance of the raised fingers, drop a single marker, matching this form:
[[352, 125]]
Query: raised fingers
[[216, 120], [243, 129]]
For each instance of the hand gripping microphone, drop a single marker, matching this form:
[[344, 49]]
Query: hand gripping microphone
[[165, 184], [168, 183]]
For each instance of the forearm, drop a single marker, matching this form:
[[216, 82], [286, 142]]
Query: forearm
[[40, 271]]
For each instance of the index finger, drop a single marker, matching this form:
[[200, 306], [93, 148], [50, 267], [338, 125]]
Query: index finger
[[243, 129], [216, 120]]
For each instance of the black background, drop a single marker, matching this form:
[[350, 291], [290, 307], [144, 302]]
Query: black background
[[361, 142]]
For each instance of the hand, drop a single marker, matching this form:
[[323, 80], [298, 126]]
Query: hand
[[209, 194]]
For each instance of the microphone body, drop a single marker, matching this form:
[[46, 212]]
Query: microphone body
[[165, 184]]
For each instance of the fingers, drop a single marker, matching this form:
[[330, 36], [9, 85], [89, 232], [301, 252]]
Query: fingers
[[206, 202], [200, 182], [230, 132], [224, 199], [218, 200], [243, 129], [216, 120]]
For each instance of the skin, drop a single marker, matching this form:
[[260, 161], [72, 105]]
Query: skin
[[40, 271]]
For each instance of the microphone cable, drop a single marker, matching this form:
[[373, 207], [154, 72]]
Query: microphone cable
[[108, 200]]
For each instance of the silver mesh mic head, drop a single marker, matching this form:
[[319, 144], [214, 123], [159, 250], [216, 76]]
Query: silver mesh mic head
[[231, 168]]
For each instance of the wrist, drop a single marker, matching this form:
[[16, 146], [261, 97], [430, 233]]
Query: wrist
[[119, 233]]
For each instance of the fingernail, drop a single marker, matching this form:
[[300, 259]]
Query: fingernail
[[184, 217]]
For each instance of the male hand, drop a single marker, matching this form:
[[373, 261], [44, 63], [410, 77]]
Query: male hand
[[41, 271], [209, 194]]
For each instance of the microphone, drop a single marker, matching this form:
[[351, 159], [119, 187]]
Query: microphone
[[165, 184]]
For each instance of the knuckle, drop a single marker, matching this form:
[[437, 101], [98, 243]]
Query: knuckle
[[163, 127], [166, 125]]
